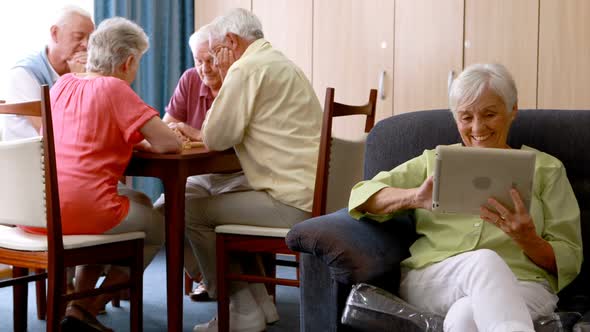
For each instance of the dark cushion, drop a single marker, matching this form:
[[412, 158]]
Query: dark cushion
[[356, 251], [400, 138]]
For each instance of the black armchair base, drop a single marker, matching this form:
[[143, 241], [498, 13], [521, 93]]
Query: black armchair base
[[370, 309]]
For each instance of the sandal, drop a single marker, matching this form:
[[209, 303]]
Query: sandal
[[73, 324], [200, 294], [87, 323]]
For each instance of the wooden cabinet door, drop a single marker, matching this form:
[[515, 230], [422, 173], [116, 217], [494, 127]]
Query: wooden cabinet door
[[506, 32], [564, 54], [352, 46], [207, 10], [287, 25], [428, 46]]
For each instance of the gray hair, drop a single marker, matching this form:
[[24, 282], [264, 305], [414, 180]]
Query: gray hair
[[113, 42], [66, 12], [200, 36], [475, 79], [239, 21]]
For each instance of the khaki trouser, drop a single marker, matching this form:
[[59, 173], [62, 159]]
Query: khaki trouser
[[255, 208], [203, 186], [142, 218]]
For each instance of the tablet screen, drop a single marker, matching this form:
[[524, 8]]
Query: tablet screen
[[465, 177]]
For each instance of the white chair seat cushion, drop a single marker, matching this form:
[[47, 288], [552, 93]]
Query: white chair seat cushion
[[252, 230], [17, 239]]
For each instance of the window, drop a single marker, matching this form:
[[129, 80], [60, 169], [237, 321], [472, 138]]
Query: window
[[25, 27]]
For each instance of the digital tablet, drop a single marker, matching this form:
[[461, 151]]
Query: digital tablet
[[465, 177]]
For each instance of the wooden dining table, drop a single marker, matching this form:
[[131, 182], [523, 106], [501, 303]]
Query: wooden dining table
[[173, 170]]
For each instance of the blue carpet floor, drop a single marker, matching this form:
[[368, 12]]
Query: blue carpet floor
[[154, 306]]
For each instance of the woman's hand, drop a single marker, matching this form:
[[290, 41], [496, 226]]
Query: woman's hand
[[517, 224], [423, 196]]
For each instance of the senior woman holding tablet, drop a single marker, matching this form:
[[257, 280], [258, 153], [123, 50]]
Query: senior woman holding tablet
[[499, 270]]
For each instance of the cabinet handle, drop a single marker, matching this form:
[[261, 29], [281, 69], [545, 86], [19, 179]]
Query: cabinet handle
[[381, 82], [450, 80]]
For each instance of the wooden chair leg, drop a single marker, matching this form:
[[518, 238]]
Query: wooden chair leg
[[116, 300], [41, 290], [136, 291], [188, 284], [269, 269], [56, 306], [222, 286], [297, 268], [19, 300]]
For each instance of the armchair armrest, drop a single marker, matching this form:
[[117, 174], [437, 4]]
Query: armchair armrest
[[583, 325], [356, 251]]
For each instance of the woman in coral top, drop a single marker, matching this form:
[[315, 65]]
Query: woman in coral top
[[98, 120]]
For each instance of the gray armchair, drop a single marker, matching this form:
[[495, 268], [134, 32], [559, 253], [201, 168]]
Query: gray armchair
[[338, 251]]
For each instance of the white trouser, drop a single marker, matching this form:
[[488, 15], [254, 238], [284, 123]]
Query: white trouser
[[477, 291], [202, 186]]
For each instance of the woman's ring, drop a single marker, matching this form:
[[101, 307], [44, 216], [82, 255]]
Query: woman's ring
[[503, 217]]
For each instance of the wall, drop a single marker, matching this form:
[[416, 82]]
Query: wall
[[410, 48]]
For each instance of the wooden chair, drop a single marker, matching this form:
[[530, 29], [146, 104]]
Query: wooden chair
[[29, 197], [343, 172]]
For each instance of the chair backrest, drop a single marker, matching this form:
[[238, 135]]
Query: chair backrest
[[29, 191], [1, 120], [340, 161], [22, 175]]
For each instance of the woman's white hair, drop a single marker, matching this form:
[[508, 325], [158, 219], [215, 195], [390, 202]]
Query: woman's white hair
[[200, 36], [113, 42], [239, 21], [476, 79]]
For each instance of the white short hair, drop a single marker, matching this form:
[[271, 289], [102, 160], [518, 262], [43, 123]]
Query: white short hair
[[65, 12], [200, 36], [476, 79], [113, 41], [239, 21]]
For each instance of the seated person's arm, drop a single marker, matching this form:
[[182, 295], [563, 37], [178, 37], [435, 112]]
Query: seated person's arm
[[22, 86], [169, 118], [519, 226], [406, 187], [159, 138], [540, 252], [390, 199], [77, 63], [229, 116], [192, 133], [36, 122], [557, 247]]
